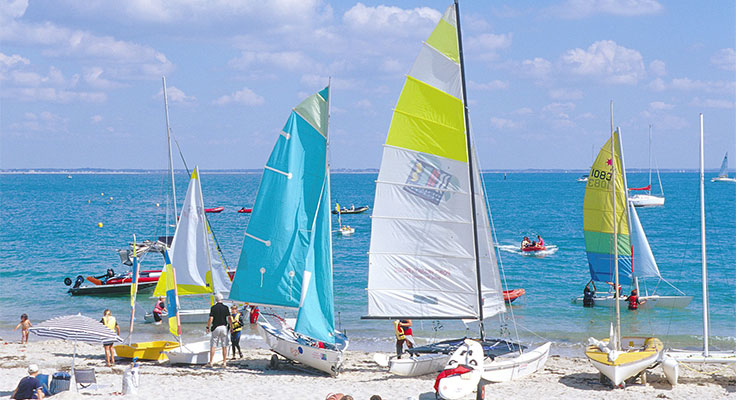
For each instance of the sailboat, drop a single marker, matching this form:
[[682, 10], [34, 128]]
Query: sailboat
[[286, 260], [636, 258], [607, 238], [674, 356], [723, 172], [431, 251], [648, 199], [344, 230]]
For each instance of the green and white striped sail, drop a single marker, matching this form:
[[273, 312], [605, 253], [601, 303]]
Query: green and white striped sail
[[422, 258]]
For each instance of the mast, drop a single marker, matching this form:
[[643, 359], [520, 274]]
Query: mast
[[650, 159], [702, 245], [615, 236], [171, 161], [470, 171]]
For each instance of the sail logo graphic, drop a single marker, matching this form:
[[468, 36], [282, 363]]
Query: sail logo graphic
[[427, 182]]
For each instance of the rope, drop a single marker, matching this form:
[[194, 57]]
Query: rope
[[704, 372]]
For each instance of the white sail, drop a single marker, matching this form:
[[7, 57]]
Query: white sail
[[644, 264]]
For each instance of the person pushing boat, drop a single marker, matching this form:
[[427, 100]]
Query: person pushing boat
[[402, 330]]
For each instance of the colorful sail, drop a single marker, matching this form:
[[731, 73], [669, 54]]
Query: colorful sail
[[286, 258], [422, 256], [193, 252], [598, 216], [172, 297], [723, 172], [136, 274]]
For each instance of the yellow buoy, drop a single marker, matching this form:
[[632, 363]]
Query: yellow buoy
[[110, 197], [99, 224], [102, 194]]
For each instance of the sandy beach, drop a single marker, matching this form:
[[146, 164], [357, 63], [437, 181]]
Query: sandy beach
[[562, 377]]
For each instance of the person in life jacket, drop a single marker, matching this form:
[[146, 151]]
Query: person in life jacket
[[237, 321], [111, 323], [254, 314], [402, 330], [634, 300], [159, 309], [589, 294]]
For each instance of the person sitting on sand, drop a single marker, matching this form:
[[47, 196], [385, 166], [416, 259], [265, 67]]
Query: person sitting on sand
[[24, 324], [158, 310], [634, 300], [29, 387]]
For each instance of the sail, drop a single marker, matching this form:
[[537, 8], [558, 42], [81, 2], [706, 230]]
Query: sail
[[193, 253], [723, 173], [598, 216], [172, 297], [273, 260], [422, 261], [644, 263]]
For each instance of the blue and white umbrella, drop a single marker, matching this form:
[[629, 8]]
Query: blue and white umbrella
[[76, 328]]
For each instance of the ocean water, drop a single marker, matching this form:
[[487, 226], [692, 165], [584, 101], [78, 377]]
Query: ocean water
[[50, 231]]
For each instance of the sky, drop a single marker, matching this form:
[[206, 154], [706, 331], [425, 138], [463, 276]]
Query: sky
[[80, 81]]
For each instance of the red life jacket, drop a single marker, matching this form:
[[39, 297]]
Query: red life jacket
[[633, 302]]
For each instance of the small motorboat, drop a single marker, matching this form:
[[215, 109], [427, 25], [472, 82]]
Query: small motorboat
[[510, 295], [583, 178], [214, 210], [534, 248], [245, 210], [351, 210], [111, 283]]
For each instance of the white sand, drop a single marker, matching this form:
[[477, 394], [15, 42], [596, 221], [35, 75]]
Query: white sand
[[562, 377]]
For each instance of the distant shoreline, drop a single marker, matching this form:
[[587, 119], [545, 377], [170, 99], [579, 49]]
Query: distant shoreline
[[101, 171]]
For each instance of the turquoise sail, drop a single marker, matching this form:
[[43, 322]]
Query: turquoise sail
[[286, 258]]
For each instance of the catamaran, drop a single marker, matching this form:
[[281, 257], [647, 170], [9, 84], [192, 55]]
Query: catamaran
[[431, 251], [723, 172], [647, 199], [637, 260], [706, 356], [286, 260], [608, 246]]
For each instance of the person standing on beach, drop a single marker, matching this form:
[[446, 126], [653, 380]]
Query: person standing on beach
[[29, 387], [237, 324], [402, 329], [111, 323], [220, 324], [24, 324]]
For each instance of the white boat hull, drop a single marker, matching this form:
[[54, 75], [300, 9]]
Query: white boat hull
[[514, 366], [625, 366], [283, 341], [197, 353], [646, 200], [418, 365], [723, 179], [453, 387], [651, 301], [714, 357]]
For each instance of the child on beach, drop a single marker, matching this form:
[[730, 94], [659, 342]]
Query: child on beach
[[24, 325], [111, 323]]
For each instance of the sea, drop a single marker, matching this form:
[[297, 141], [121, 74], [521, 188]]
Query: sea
[[55, 226]]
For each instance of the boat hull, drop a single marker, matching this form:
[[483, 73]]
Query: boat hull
[[714, 357], [510, 295], [638, 354], [723, 179], [651, 301], [515, 366], [469, 355], [197, 353], [111, 289], [146, 350], [283, 341], [418, 365], [646, 200]]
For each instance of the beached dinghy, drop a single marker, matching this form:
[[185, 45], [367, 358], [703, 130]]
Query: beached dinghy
[[429, 195], [286, 260]]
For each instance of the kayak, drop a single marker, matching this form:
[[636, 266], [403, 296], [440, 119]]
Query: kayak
[[214, 210], [510, 295], [534, 248], [245, 210]]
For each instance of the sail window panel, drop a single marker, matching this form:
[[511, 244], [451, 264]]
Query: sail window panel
[[601, 267], [449, 16], [428, 120], [444, 39], [397, 201], [405, 166], [435, 69], [422, 238], [314, 110]]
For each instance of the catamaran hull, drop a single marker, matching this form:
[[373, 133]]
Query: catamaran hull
[[637, 355], [510, 367], [714, 357], [645, 200], [651, 301], [721, 179], [197, 353], [418, 365], [284, 344], [145, 350]]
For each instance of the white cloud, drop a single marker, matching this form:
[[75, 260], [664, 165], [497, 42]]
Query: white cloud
[[392, 65], [713, 103], [538, 68], [391, 20], [53, 95], [658, 67], [7, 62], [502, 123], [606, 60], [657, 85], [660, 105], [320, 81], [492, 85], [244, 96], [488, 41], [96, 119], [558, 114], [566, 94], [288, 60], [93, 77], [364, 104], [707, 86], [574, 9], [44, 121], [724, 59], [524, 111], [175, 95]]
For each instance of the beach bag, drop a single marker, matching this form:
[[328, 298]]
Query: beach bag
[[131, 380], [60, 381]]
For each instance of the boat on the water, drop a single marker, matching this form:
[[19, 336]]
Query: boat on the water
[[286, 260], [214, 210], [583, 178], [111, 283], [723, 172], [245, 210], [534, 248], [510, 295], [351, 210], [647, 199]]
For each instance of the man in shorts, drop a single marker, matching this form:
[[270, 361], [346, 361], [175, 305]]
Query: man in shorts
[[220, 324]]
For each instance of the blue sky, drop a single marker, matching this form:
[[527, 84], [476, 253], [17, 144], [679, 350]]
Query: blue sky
[[80, 81]]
